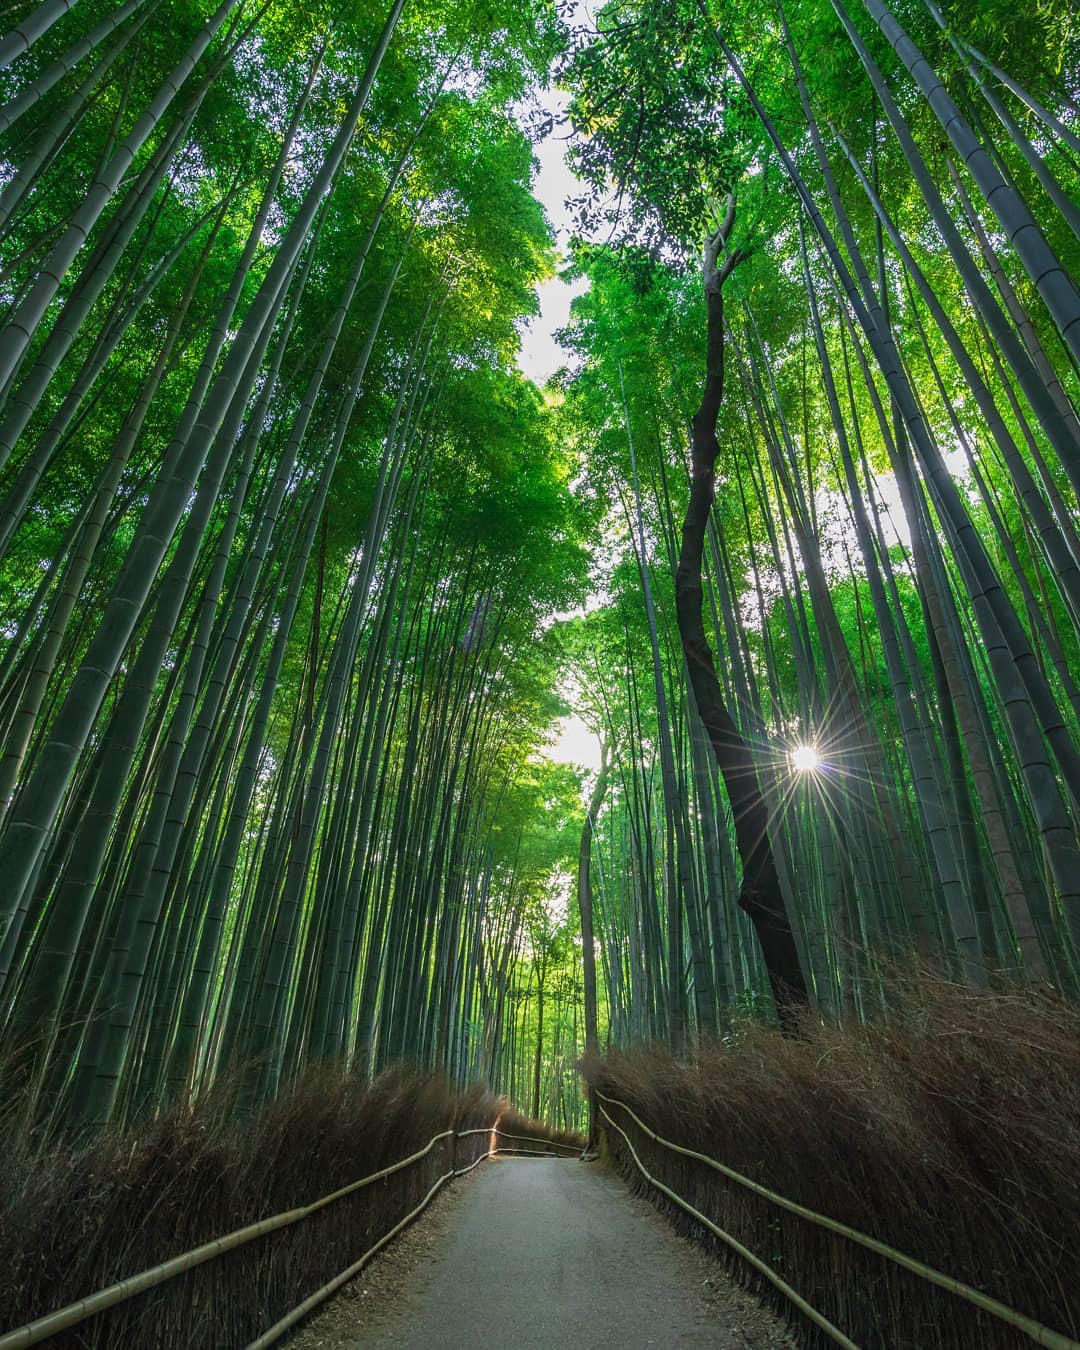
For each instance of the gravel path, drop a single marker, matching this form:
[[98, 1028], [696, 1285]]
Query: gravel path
[[539, 1254]]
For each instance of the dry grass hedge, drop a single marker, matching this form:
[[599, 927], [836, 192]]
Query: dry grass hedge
[[515, 1122], [950, 1131], [75, 1220]]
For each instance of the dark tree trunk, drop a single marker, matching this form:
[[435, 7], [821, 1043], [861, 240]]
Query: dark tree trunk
[[760, 895]]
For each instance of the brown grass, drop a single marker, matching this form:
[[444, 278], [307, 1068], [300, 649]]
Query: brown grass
[[951, 1131], [516, 1122], [75, 1220]]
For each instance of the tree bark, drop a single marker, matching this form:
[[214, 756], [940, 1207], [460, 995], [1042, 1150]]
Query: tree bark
[[760, 895]]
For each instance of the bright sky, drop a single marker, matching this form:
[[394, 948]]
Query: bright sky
[[540, 355], [575, 744]]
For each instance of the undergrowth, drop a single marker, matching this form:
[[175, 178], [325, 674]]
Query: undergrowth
[[949, 1130], [76, 1219]]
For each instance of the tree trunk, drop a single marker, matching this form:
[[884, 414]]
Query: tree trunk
[[760, 896]]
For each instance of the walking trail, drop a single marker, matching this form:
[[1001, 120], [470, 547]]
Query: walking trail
[[539, 1254]]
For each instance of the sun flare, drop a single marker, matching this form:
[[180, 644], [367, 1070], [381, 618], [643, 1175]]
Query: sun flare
[[805, 758]]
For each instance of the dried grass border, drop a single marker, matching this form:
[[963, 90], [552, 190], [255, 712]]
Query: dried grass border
[[950, 1130]]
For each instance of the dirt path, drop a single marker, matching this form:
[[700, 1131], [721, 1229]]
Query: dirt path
[[538, 1254]]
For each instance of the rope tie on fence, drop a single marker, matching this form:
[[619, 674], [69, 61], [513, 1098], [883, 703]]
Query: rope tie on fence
[[1037, 1331], [33, 1333]]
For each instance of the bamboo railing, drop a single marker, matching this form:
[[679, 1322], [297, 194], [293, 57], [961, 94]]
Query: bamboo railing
[[42, 1328], [1040, 1334]]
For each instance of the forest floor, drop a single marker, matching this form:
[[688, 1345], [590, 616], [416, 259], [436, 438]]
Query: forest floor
[[538, 1254]]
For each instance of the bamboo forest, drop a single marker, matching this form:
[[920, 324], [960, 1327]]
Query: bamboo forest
[[372, 697]]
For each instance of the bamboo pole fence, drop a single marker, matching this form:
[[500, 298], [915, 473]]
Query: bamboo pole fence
[[1037, 1331], [42, 1328]]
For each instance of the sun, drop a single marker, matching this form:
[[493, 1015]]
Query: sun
[[805, 758]]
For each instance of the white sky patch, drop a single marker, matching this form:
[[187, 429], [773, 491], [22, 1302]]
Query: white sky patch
[[541, 356], [575, 744], [837, 533], [890, 505]]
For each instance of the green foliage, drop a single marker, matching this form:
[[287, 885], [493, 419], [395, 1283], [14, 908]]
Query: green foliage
[[281, 655]]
